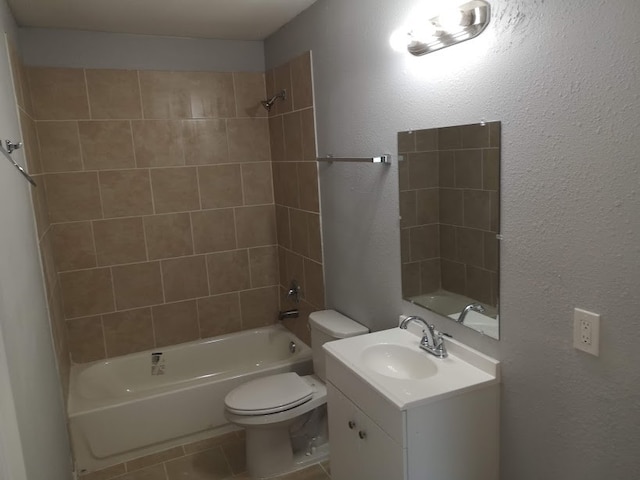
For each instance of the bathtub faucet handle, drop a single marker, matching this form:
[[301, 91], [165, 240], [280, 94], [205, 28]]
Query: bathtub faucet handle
[[294, 292]]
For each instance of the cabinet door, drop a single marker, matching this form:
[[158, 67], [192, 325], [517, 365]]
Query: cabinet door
[[360, 449]]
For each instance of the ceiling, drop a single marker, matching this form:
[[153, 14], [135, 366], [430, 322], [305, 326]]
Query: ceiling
[[223, 19]]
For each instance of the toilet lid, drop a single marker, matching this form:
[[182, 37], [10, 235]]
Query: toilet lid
[[272, 394]]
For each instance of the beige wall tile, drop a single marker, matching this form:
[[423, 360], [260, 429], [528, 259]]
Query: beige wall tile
[[405, 245], [451, 206], [220, 186], [126, 193], [106, 145], [447, 169], [263, 264], [314, 283], [168, 235], [219, 314], [470, 246], [73, 196], [494, 134], [119, 241], [105, 473], [427, 206], [448, 247], [58, 93], [293, 137], [491, 248], [206, 142], [282, 81], [137, 285], [406, 141], [259, 307], [41, 208], [185, 278], [269, 82], [26, 90], [59, 146], [30, 142], [257, 183], [403, 173], [86, 339], [408, 209], [16, 72], [154, 458], [114, 94], [426, 140], [491, 169], [475, 135], [315, 237], [425, 242], [228, 271], [423, 170], [250, 91], [430, 275], [175, 323], [207, 465], [299, 232], [213, 230], [449, 138], [256, 226], [479, 284], [295, 269], [309, 151], [288, 174], [468, 168], [282, 266], [158, 143], [283, 226], [128, 332], [48, 262], [308, 186], [211, 94], [495, 211], [175, 189], [155, 472], [411, 279], [87, 292], [73, 246], [248, 140], [164, 95], [477, 209], [302, 86], [453, 276], [276, 139]]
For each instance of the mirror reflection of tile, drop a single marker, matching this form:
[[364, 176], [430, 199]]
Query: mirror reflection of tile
[[449, 180]]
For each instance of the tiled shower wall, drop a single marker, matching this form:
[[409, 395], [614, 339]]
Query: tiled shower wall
[[160, 201], [43, 226], [449, 207], [295, 180]]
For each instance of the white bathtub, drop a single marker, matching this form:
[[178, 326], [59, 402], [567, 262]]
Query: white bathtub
[[118, 410]]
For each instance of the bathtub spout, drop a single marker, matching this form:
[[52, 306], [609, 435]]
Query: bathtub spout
[[294, 313]]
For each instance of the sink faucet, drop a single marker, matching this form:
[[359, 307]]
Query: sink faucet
[[476, 307], [432, 340]]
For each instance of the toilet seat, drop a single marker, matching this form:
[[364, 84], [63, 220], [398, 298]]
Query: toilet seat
[[268, 395]]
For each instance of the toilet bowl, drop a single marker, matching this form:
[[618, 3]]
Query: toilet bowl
[[276, 408]]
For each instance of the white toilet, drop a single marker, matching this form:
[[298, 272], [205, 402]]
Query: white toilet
[[269, 407]]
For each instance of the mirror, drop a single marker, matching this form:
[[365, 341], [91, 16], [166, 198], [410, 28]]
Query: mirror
[[449, 181]]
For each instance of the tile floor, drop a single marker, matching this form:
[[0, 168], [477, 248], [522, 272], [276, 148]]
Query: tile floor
[[218, 458]]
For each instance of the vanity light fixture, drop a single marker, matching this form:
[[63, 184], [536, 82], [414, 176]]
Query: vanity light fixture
[[451, 26]]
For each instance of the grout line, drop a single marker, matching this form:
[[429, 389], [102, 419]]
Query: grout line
[[140, 93], [153, 200], [86, 88], [198, 187], [244, 199], [153, 321]]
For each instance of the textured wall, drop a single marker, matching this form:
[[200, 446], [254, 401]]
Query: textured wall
[[563, 79], [81, 49]]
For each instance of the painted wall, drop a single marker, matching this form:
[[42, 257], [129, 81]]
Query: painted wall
[[564, 81], [34, 435], [81, 49]]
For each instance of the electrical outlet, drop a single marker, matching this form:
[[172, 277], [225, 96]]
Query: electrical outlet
[[586, 331]]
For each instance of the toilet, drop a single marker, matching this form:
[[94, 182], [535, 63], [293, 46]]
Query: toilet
[[271, 408]]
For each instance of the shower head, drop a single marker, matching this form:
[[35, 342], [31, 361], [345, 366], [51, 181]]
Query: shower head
[[267, 104]]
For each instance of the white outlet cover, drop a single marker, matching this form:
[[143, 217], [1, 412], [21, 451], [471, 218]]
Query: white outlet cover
[[593, 319]]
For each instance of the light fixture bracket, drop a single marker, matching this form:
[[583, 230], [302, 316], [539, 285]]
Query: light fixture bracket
[[474, 18]]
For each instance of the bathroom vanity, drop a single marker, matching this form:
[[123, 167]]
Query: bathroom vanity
[[397, 412]]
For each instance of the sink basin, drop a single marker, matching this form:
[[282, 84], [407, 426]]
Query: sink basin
[[392, 362], [398, 361]]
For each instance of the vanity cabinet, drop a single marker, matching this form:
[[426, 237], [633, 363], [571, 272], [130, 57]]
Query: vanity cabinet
[[441, 427], [360, 449]]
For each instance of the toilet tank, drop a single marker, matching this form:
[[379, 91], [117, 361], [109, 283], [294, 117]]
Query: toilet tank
[[328, 325]]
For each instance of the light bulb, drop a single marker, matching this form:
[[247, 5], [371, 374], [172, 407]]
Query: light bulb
[[453, 18], [399, 39], [423, 32]]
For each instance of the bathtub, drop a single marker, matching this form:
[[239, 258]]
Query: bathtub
[[142, 403]]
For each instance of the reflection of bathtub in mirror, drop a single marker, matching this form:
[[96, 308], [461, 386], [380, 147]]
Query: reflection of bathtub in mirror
[[451, 304]]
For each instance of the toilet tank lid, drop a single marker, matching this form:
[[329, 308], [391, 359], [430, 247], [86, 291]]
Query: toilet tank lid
[[335, 324]]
